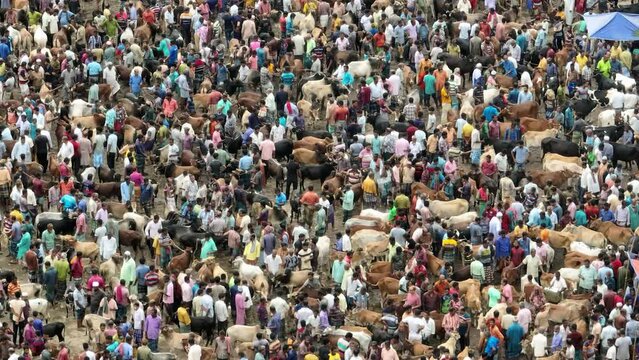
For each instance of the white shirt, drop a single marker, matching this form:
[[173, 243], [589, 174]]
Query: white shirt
[[415, 327], [221, 311], [429, 329], [611, 354], [539, 343], [174, 151], [464, 30], [138, 318], [66, 151], [195, 352], [90, 354], [558, 285], [346, 243], [273, 264], [502, 162], [303, 314], [207, 305]]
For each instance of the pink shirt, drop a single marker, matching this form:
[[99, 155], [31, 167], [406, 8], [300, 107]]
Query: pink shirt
[[168, 293], [401, 147], [524, 317], [413, 300], [136, 178], [81, 224], [255, 45], [216, 138], [267, 148], [507, 293]]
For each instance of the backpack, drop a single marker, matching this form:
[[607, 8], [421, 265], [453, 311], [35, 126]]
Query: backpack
[[446, 304]]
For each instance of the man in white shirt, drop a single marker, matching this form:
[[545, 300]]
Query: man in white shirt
[[609, 332], [539, 343], [558, 284], [303, 314], [415, 327], [221, 311], [195, 350], [174, 151], [616, 101], [138, 319], [464, 29], [22, 148], [346, 241], [429, 328], [273, 263], [206, 304], [501, 161]]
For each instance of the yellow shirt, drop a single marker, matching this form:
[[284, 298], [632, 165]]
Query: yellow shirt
[[183, 316], [449, 242], [581, 60], [467, 130], [445, 96], [333, 357], [519, 230], [369, 186], [543, 63], [3, 69], [252, 252], [337, 23], [626, 59], [615, 51], [18, 215], [311, 357]]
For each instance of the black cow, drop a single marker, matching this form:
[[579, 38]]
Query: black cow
[[604, 83], [583, 107], [623, 152], [615, 132], [61, 227], [233, 145], [54, 329], [465, 65], [561, 147], [321, 134], [204, 326], [501, 145], [316, 172], [283, 149]]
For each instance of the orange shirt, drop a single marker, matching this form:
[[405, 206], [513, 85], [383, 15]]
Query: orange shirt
[[12, 289], [169, 107], [341, 113], [309, 198], [65, 188], [440, 79]]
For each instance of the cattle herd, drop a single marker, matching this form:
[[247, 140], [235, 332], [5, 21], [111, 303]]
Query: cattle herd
[[317, 180]]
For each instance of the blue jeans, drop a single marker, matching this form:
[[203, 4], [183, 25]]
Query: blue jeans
[[153, 345]]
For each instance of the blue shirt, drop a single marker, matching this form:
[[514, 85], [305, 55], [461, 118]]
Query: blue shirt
[[140, 272], [68, 202], [64, 17], [606, 215], [520, 154], [109, 118], [347, 80], [94, 69], [509, 68], [280, 199], [173, 54], [135, 82], [245, 163], [4, 50], [125, 191], [490, 112], [502, 247]]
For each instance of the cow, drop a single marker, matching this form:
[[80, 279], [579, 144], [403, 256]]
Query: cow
[[54, 329], [283, 149], [576, 259], [358, 223], [316, 172], [534, 138], [446, 209], [527, 109], [626, 153], [558, 179], [561, 147], [533, 124], [615, 234], [177, 341], [367, 236], [584, 107], [365, 317], [580, 247], [205, 326], [305, 156], [388, 286], [242, 333], [587, 236], [313, 143], [461, 222], [247, 271]]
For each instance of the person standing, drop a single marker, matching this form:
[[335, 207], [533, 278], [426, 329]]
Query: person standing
[[152, 326], [80, 303]]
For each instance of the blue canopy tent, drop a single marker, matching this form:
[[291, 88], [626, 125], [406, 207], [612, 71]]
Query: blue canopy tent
[[613, 26]]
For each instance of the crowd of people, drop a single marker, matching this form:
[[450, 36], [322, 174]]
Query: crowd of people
[[168, 55]]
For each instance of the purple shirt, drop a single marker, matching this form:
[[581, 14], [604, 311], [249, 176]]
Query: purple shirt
[[152, 327]]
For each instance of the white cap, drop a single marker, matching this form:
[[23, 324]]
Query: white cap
[[604, 158], [606, 138], [499, 214], [478, 66], [127, 253], [493, 72], [619, 304], [95, 284]]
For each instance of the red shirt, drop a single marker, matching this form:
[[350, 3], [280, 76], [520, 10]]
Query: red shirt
[[76, 268], [410, 131], [95, 278], [615, 265], [592, 212], [517, 255], [76, 148]]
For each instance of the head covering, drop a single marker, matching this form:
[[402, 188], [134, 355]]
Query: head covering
[[478, 66]]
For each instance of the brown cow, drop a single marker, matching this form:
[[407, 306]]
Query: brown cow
[[575, 259], [334, 184], [388, 286], [380, 267], [533, 124], [131, 238], [137, 123], [527, 109], [616, 234], [365, 317], [249, 100], [179, 170], [117, 209], [558, 179], [108, 189], [181, 262], [305, 156], [430, 193], [504, 81], [312, 143]]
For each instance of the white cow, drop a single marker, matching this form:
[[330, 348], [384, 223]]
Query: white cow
[[578, 246], [247, 271]]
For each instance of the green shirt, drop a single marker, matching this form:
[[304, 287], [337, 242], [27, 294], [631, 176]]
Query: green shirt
[[348, 200], [48, 237], [580, 218], [477, 270], [587, 276], [34, 18], [127, 273], [429, 84], [494, 296], [111, 28], [337, 271], [604, 67], [62, 267], [222, 156], [208, 247]]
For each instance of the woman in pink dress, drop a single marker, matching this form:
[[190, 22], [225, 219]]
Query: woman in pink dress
[[240, 309]]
